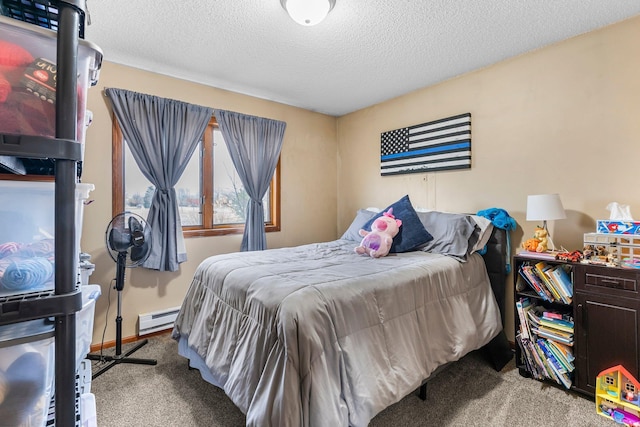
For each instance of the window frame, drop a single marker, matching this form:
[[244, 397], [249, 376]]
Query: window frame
[[207, 228]]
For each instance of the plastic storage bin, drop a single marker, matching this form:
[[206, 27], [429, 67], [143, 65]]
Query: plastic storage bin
[[82, 195], [27, 372], [27, 230], [84, 321], [84, 376], [28, 79], [85, 270], [88, 414], [26, 237]]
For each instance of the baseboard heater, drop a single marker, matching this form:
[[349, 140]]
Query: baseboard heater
[[157, 321]]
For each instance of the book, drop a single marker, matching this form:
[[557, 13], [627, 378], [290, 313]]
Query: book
[[562, 325], [564, 293], [534, 282], [554, 337], [525, 357], [552, 315], [555, 332], [530, 358], [559, 373], [534, 320], [551, 358], [561, 377], [549, 255], [536, 275], [522, 306], [566, 350], [560, 355], [562, 277], [541, 270], [544, 363]]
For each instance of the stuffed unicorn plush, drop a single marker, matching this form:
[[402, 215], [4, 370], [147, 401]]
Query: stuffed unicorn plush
[[377, 242]]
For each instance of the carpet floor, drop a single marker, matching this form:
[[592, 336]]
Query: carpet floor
[[467, 393]]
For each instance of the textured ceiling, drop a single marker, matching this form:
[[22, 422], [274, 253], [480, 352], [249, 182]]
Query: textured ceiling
[[364, 52]]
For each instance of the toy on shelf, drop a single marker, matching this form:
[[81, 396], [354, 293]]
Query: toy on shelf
[[574, 256], [612, 249], [539, 241], [617, 396]]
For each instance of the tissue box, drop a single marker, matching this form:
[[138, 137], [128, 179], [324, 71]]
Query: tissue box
[[612, 226]]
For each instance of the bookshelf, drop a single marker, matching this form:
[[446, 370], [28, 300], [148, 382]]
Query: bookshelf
[[605, 310], [544, 319]]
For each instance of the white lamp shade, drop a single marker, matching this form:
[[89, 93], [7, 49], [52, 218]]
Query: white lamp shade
[[545, 207], [308, 12]]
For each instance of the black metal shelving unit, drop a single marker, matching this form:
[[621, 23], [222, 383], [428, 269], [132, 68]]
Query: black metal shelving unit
[[66, 17]]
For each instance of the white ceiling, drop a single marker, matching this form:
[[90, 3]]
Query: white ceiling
[[363, 53]]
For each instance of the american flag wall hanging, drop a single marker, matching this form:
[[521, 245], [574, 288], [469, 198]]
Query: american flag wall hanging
[[443, 144]]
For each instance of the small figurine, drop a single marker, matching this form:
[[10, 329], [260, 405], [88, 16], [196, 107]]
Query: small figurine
[[574, 256], [539, 241]]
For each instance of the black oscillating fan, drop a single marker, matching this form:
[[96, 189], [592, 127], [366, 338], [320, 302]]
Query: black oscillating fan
[[128, 240]]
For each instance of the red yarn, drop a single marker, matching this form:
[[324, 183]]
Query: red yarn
[[13, 55]]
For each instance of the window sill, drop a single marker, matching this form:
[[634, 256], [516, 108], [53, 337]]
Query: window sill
[[221, 231]]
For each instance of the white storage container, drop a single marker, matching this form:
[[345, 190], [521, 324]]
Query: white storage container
[[26, 237], [28, 83], [84, 376], [27, 228], [82, 195], [84, 321], [88, 414], [27, 372], [86, 270]]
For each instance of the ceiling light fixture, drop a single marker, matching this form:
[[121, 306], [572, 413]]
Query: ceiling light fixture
[[308, 12]]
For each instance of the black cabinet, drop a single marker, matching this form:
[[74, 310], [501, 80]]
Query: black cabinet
[[607, 311], [605, 308]]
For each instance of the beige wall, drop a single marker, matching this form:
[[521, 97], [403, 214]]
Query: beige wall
[[308, 171], [562, 119]]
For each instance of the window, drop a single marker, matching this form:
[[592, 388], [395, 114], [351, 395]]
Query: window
[[211, 198]]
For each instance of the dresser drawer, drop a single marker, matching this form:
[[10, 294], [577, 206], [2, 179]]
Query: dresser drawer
[[612, 281]]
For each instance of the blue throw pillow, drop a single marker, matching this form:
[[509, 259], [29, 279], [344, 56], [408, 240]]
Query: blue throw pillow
[[412, 233]]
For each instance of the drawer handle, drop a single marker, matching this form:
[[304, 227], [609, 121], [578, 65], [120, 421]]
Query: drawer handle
[[609, 281]]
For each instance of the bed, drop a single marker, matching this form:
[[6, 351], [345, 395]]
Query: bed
[[317, 335]]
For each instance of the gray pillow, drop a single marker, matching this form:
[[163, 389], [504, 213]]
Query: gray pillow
[[453, 234], [362, 217]]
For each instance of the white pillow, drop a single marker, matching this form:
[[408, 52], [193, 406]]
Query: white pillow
[[485, 228]]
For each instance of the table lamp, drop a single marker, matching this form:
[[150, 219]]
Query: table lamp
[[545, 207]]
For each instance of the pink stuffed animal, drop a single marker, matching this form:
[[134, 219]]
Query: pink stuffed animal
[[377, 242]]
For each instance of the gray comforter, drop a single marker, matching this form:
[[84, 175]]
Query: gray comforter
[[316, 335]]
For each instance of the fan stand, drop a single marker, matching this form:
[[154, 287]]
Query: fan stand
[[118, 357]]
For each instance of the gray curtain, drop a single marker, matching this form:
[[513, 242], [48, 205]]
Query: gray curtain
[[254, 144], [162, 134]]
